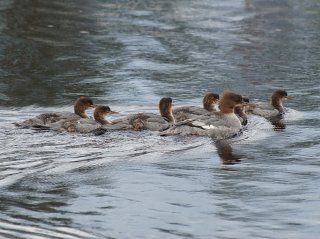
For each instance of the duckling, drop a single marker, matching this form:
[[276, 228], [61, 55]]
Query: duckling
[[218, 125], [147, 121], [274, 108], [240, 111], [209, 102], [80, 106], [84, 125]]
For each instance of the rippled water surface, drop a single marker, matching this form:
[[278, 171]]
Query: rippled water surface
[[128, 54]]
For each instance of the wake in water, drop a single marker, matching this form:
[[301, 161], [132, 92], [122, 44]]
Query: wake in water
[[257, 130]]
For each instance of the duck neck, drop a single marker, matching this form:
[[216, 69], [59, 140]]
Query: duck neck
[[277, 104], [81, 111], [208, 106], [239, 111], [168, 115], [226, 107], [171, 118], [102, 120], [83, 115]]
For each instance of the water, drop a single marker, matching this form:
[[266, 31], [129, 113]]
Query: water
[[128, 54]]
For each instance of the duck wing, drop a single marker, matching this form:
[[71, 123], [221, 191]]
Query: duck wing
[[139, 121], [44, 120], [265, 110], [215, 125], [188, 112]]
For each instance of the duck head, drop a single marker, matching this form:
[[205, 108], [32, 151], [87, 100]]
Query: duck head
[[209, 101], [229, 101], [101, 112], [277, 97], [81, 105]]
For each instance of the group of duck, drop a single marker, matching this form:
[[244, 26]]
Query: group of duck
[[220, 117]]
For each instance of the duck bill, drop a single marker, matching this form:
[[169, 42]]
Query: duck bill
[[247, 105], [289, 97], [113, 112]]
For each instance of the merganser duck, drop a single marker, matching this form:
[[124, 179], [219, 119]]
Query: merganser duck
[[218, 125], [147, 121], [84, 125], [240, 111], [274, 108], [209, 102], [80, 106]]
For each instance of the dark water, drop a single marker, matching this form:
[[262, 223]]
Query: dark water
[[128, 54]]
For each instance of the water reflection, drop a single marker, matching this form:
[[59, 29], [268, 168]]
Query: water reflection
[[226, 154], [279, 125]]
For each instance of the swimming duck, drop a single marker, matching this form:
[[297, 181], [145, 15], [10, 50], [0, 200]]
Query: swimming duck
[[219, 125], [240, 111], [147, 121], [274, 108], [84, 125], [80, 106], [209, 102]]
